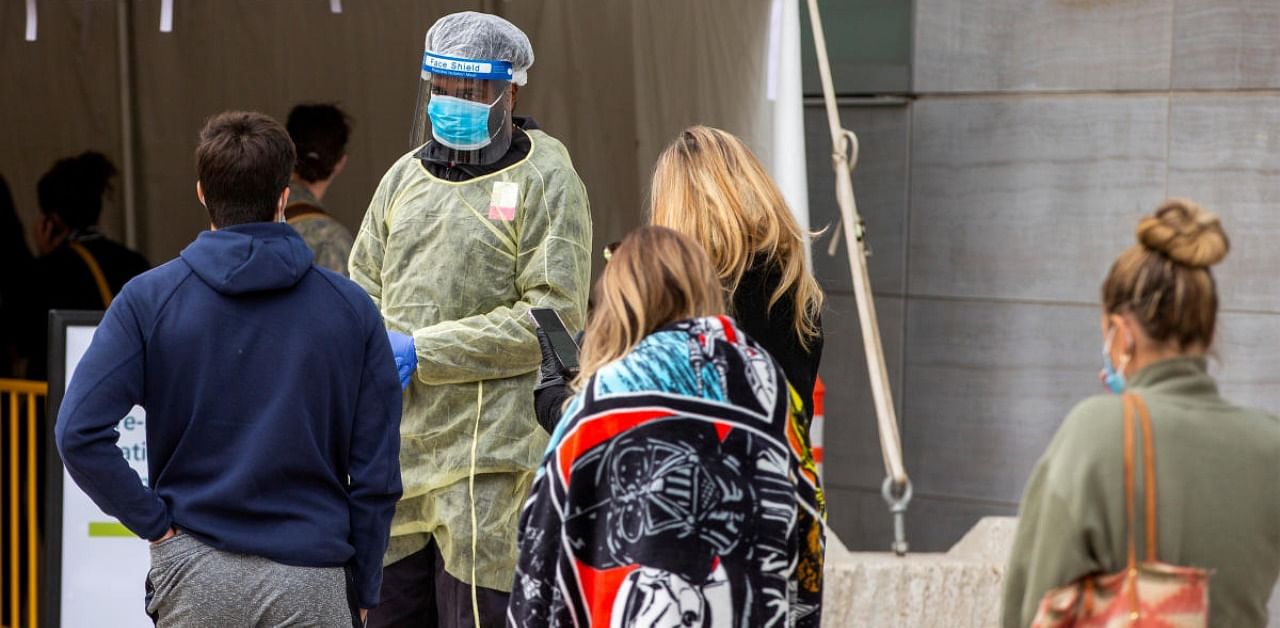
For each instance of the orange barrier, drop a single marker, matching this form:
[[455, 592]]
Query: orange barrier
[[23, 399], [819, 420]]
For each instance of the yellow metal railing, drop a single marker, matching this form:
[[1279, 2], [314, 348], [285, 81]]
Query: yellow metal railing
[[23, 399]]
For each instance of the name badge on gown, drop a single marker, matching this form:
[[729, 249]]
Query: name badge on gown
[[503, 200]]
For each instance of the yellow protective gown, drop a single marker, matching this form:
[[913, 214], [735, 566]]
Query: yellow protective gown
[[457, 266]]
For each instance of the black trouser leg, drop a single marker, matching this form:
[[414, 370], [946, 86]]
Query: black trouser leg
[[454, 599], [408, 593]]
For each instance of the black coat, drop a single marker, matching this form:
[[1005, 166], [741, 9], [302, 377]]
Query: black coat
[[62, 281], [774, 329]]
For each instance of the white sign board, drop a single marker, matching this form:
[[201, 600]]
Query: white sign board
[[103, 564]]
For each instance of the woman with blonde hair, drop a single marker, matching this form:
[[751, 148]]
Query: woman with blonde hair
[[1207, 499], [710, 186], [678, 489]]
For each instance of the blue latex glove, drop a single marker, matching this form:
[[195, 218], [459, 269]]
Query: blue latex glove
[[406, 356]]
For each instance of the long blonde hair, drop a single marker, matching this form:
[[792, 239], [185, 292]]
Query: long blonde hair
[[1164, 279], [710, 186], [656, 276]]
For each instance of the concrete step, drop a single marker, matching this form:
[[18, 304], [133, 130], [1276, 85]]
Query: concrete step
[[958, 589]]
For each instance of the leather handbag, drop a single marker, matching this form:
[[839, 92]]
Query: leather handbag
[[1145, 594]]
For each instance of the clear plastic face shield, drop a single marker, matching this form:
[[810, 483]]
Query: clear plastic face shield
[[463, 112]]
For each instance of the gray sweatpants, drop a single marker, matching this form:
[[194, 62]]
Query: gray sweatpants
[[192, 584]]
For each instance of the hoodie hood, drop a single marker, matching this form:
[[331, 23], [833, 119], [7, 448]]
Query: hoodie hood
[[252, 257]]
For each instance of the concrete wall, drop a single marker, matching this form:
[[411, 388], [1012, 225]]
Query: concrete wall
[[998, 191]]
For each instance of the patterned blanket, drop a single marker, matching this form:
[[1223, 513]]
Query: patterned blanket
[[678, 490]]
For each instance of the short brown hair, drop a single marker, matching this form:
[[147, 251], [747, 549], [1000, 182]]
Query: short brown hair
[[655, 277], [1164, 280], [243, 162]]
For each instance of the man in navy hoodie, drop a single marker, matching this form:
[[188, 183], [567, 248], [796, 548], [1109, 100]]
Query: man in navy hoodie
[[273, 410]]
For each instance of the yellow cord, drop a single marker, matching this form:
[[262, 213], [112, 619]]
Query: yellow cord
[[475, 526]]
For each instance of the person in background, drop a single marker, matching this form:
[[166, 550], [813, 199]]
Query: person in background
[[78, 267], [1217, 465], [273, 408], [482, 220], [15, 260], [709, 186], [320, 133], [679, 489]]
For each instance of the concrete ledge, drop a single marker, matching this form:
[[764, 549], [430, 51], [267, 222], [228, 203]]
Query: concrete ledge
[[957, 589]]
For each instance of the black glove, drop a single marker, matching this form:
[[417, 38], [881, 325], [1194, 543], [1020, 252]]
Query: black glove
[[551, 373], [552, 391]]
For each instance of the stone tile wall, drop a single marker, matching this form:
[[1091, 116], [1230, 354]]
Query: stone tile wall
[[996, 197]]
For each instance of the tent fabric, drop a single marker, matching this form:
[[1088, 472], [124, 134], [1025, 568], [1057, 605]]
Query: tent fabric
[[58, 97], [616, 80], [700, 63]]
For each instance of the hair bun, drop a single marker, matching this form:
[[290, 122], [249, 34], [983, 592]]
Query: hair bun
[[93, 171], [1184, 232]]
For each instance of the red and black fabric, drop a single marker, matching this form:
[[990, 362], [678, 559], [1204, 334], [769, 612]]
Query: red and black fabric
[[678, 491]]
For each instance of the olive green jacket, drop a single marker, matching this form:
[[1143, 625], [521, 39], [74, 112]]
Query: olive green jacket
[[1218, 492]]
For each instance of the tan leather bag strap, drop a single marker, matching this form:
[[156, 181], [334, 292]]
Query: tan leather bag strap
[[1131, 402], [1132, 557], [297, 212], [1148, 474], [104, 290]]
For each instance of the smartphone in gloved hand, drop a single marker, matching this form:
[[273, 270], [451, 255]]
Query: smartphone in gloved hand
[[566, 350]]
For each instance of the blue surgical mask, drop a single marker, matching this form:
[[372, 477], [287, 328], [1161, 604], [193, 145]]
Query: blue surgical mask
[[1114, 379], [459, 123]]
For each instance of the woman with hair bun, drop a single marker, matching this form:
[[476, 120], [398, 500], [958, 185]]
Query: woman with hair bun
[[319, 133], [1216, 465]]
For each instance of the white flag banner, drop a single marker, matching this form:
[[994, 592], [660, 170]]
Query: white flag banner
[[31, 20], [775, 52], [166, 16]]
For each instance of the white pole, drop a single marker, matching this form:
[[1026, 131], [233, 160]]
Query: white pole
[[788, 160]]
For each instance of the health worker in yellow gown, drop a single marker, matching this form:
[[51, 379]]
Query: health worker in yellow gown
[[482, 220]]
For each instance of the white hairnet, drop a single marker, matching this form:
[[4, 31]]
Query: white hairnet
[[472, 35]]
